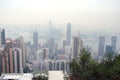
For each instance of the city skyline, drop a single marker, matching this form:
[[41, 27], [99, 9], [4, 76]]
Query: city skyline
[[36, 56], [59, 38]]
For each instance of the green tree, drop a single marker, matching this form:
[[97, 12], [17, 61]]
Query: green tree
[[42, 78], [85, 68], [81, 68]]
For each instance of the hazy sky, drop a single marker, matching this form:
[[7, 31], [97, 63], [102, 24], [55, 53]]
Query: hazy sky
[[93, 13]]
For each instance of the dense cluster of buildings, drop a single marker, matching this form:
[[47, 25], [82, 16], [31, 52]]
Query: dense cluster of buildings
[[12, 54], [50, 57], [105, 49], [16, 56]]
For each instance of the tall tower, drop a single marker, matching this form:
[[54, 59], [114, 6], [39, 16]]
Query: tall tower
[[8, 50], [69, 33], [2, 37], [1, 56], [51, 44], [77, 46], [35, 39], [113, 43], [4, 62], [101, 46], [17, 60], [21, 44]]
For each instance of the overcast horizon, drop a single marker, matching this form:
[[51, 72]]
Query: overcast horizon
[[88, 15]]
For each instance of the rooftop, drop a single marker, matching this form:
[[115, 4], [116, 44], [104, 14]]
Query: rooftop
[[16, 76], [55, 75]]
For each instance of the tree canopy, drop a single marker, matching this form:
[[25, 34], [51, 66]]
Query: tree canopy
[[85, 68]]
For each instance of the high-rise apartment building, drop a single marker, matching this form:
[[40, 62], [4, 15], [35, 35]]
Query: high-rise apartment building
[[5, 61], [17, 60], [69, 33], [65, 43], [9, 57], [101, 46], [68, 52], [113, 43], [39, 55], [51, 44], [1, 55], [35, 39], [21, 44], [77, 46], [58, 65], [45, 53]]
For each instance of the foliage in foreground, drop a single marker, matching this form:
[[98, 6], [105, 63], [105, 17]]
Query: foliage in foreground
[[85, 68], [41, 78]]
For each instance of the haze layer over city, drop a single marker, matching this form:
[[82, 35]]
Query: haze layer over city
[[55, 31]]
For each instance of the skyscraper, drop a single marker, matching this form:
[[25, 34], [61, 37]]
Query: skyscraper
[[17, 60], [45, 53], [1, 55], [109, 49], [65, 42], [113, 43], [2, 37], [5, 62], [69, 33], [51, 44], [101, 46], [35, 39], [77, 46], [8, 50], [21, 44]]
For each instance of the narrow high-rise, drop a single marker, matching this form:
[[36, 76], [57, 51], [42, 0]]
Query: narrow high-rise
[[77, 46], [51, 44], [1, 55], [113, 43], [2, 37], [9, 61], [17, 60], [69, 33], [35, 39], [21, 44], [101, 46]]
